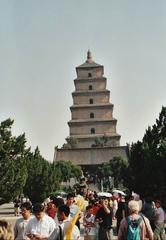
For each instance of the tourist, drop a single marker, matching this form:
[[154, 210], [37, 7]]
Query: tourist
[[17, 203], [104, 219], [42, 226], [50, 210], [73, 207], [6, 232], [89, 224], [66, 223], [91, 198], [141, 221], [121, 211], [57, 201], [96, 206], [148, 209], [159, 221], [21, 223], [70, 202]]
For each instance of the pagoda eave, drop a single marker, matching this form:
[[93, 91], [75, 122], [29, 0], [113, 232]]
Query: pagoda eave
[[90, 92], [89, 65], [105, 105], [94, 120], [93, 136], [93, 79]]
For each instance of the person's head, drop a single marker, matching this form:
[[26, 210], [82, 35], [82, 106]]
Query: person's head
[[57, 201], [89, 209], [6, 232], [50, 205], [70, 199], [91, 196], [129, 198], [158, 203], [39, 211], [119, 197], [105, 201], [63, 212], [26, 208], [133, 206]]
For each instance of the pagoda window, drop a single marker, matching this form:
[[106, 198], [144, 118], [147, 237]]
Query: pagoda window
[[92, 130], [92, 115], [91, 101], [89, 74], [90, 87]]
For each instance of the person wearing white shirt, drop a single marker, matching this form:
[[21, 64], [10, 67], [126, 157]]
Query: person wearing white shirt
[[41, 227], [90, 230], [64, 217], [21, 223], [159, 221]]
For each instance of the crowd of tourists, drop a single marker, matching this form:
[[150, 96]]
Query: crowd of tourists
[[98, 218]]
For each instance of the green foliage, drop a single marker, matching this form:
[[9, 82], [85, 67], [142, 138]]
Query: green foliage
[[119, 167], [116, 168], [147, 166], [42, 177], [28, 173], [13, 154], [104, 141], [67, 170], [71, 143]]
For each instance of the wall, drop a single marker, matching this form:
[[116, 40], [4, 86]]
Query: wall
[[90, 156], [94, 71], [100, 128], [97, 98], [84, 113]]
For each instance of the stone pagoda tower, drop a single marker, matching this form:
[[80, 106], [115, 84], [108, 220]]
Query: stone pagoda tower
[[92, 113], [93, 138]]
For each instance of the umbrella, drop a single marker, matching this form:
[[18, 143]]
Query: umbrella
[[118, 191], [104, 194]]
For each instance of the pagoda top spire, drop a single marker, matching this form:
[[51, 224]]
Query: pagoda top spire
[[89, 57], [89, 61]]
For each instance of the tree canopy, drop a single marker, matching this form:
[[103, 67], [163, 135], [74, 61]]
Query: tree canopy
[[13, 155], [147, 163], [25, 172]]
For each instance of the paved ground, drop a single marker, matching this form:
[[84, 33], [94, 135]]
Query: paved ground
[[7, 212]]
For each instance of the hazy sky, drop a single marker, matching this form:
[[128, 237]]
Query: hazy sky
[[41, 43]]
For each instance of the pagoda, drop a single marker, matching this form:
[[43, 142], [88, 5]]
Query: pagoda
[[92, 113], [92, 129]]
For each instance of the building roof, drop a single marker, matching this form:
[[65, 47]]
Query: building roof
[[89, 63]]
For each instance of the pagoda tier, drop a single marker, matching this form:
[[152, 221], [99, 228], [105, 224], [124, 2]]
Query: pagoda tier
[[92, 112]]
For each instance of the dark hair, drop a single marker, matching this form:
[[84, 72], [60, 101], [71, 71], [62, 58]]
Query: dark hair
[[89, 207], [58, 201], [158, 201], [70, 195], [26, 205], [65, 209], [38, 207]]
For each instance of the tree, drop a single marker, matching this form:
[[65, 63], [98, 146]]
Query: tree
[[42, 177], [13, 154], [115, 168], [22, 171], [119, 167], [148, 161], [67, 170]]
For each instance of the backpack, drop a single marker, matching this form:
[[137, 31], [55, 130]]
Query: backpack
[[133, 230]]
